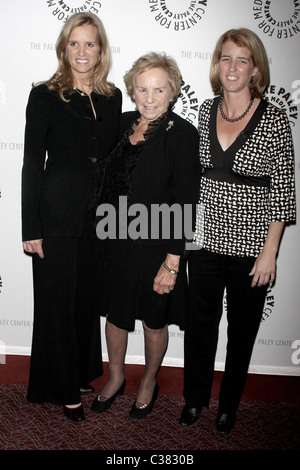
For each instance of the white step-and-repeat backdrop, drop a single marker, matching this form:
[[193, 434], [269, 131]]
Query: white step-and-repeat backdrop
[[188, 31]]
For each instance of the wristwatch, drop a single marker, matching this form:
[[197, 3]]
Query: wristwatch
[[171, 271]]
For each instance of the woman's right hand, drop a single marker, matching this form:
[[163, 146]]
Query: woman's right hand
[[34, 246]]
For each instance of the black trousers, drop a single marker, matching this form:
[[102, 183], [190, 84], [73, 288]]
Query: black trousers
[[66, 345], [209, 275]]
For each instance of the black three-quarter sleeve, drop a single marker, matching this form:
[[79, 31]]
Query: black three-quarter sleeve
[[184, 154]]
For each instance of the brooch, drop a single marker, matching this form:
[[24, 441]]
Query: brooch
[[170, 124]]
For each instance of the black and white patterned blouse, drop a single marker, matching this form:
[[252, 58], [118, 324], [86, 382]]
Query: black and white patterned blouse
[[247, 186]]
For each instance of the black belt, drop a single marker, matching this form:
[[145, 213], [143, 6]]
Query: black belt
[[226, 175]]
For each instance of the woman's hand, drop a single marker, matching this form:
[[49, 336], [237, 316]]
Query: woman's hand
[[264, 269], [34, 246], [164, 281]]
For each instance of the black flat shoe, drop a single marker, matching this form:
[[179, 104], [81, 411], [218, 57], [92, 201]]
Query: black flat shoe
[[74, 414], [101, 406], [189, 416], [86, 390], [140, 413], [225, 423]]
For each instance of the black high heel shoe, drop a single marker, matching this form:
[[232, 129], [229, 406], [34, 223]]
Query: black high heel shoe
[[104, 405], [140, 413], [86, 390], [74, 414]]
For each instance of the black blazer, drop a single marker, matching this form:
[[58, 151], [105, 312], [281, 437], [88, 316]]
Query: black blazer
[[167, 172], [55, 192]]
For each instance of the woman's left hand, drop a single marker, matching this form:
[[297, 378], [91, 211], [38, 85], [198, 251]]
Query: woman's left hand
[[264, 269], [164, 281]]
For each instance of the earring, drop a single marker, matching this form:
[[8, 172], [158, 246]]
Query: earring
[[133, 97]]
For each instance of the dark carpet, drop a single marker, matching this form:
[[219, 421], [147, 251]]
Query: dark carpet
[[260, 426]]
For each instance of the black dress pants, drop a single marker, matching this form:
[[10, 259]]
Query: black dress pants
[[209, 275], [66, 345]]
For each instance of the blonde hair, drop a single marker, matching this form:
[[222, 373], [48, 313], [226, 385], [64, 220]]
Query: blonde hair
[[62, 79], [243, 37], [150, 61]]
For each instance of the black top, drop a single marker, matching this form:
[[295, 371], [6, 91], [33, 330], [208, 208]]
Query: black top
[[55, 190], [163, 170], [120, 168]]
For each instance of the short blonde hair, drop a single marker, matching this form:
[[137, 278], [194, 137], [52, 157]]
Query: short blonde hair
[[62, 79], [243, 37], [150, 61]]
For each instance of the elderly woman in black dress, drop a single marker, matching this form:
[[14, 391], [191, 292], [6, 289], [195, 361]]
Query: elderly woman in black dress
[[144, 275]]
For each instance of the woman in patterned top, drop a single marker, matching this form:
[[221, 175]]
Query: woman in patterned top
[[247, 194]]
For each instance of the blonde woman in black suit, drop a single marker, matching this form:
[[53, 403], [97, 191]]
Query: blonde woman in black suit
[[71, 124]]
